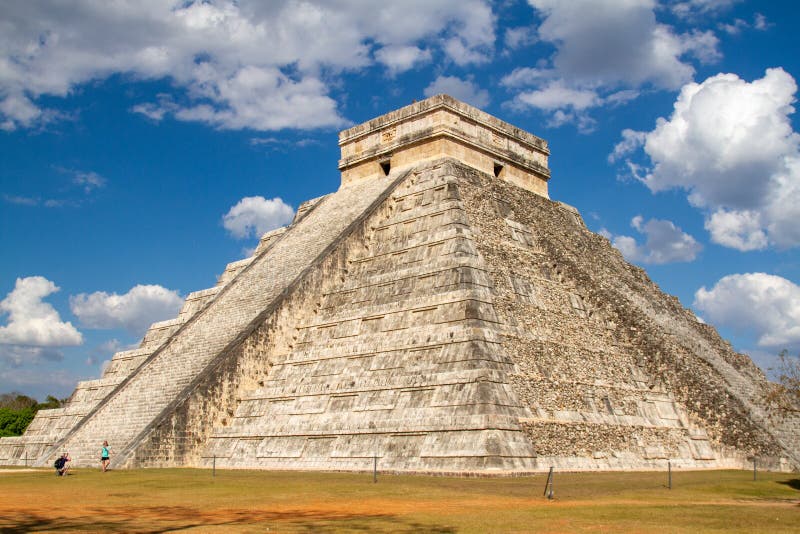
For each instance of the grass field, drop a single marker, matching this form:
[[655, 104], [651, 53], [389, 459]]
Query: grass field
[[160, 500]]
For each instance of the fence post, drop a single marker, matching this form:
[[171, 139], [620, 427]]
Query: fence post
[[214, 467], [26, 458], [548, 487], [375, 469], [754, 467], [669, 476]]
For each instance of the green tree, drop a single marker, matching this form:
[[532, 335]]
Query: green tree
[[50, 402], [14, 422], [18, 410], [16, 401]]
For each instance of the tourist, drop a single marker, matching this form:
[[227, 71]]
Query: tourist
[[105, 456], [62, 464]]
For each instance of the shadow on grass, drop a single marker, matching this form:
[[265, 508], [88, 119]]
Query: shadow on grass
[[793, 483], [170, 519]]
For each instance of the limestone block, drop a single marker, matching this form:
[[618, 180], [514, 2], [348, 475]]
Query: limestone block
[[232, 269]]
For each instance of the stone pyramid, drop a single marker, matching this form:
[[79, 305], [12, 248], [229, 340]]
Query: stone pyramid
[[439, 313]]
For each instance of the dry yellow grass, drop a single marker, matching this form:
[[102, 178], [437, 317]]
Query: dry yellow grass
[[253, 501]]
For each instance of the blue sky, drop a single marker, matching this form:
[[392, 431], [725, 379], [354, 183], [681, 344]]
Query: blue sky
[[144, 145]]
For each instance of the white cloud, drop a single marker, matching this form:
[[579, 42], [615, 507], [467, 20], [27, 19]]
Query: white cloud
[[741, 230], [462, 55], [581, 119], [555, 95], [693, 8], [631, 140], [760, 22], [244, 64], [567, 105], [730, 144], [33, 322], [152, 111], [134, 311], [465, 90], [763, 304], [18, 110], [520, 37], [701, 45], [260, 141], [280, 143], [289, 104], [525, 76], [736, 27], [402, 58], [89, 181], [665, 243], [611, 42], [622, 96], [253, 216], [38, 201], [724, 137], [474, 37], [627, 246], [21, 200], [602, 48]]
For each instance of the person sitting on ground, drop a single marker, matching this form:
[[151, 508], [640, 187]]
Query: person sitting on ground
[[62, 464]]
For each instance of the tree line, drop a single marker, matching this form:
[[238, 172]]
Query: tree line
[[18, 410]]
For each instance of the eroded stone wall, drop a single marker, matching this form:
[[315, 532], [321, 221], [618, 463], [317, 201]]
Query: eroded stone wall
[[617, 373], [389, 350]]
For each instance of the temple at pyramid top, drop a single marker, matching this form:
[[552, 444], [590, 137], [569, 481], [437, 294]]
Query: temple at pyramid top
[[442, 126]]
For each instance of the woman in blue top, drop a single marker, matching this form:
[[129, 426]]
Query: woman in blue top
[[105, 456]]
